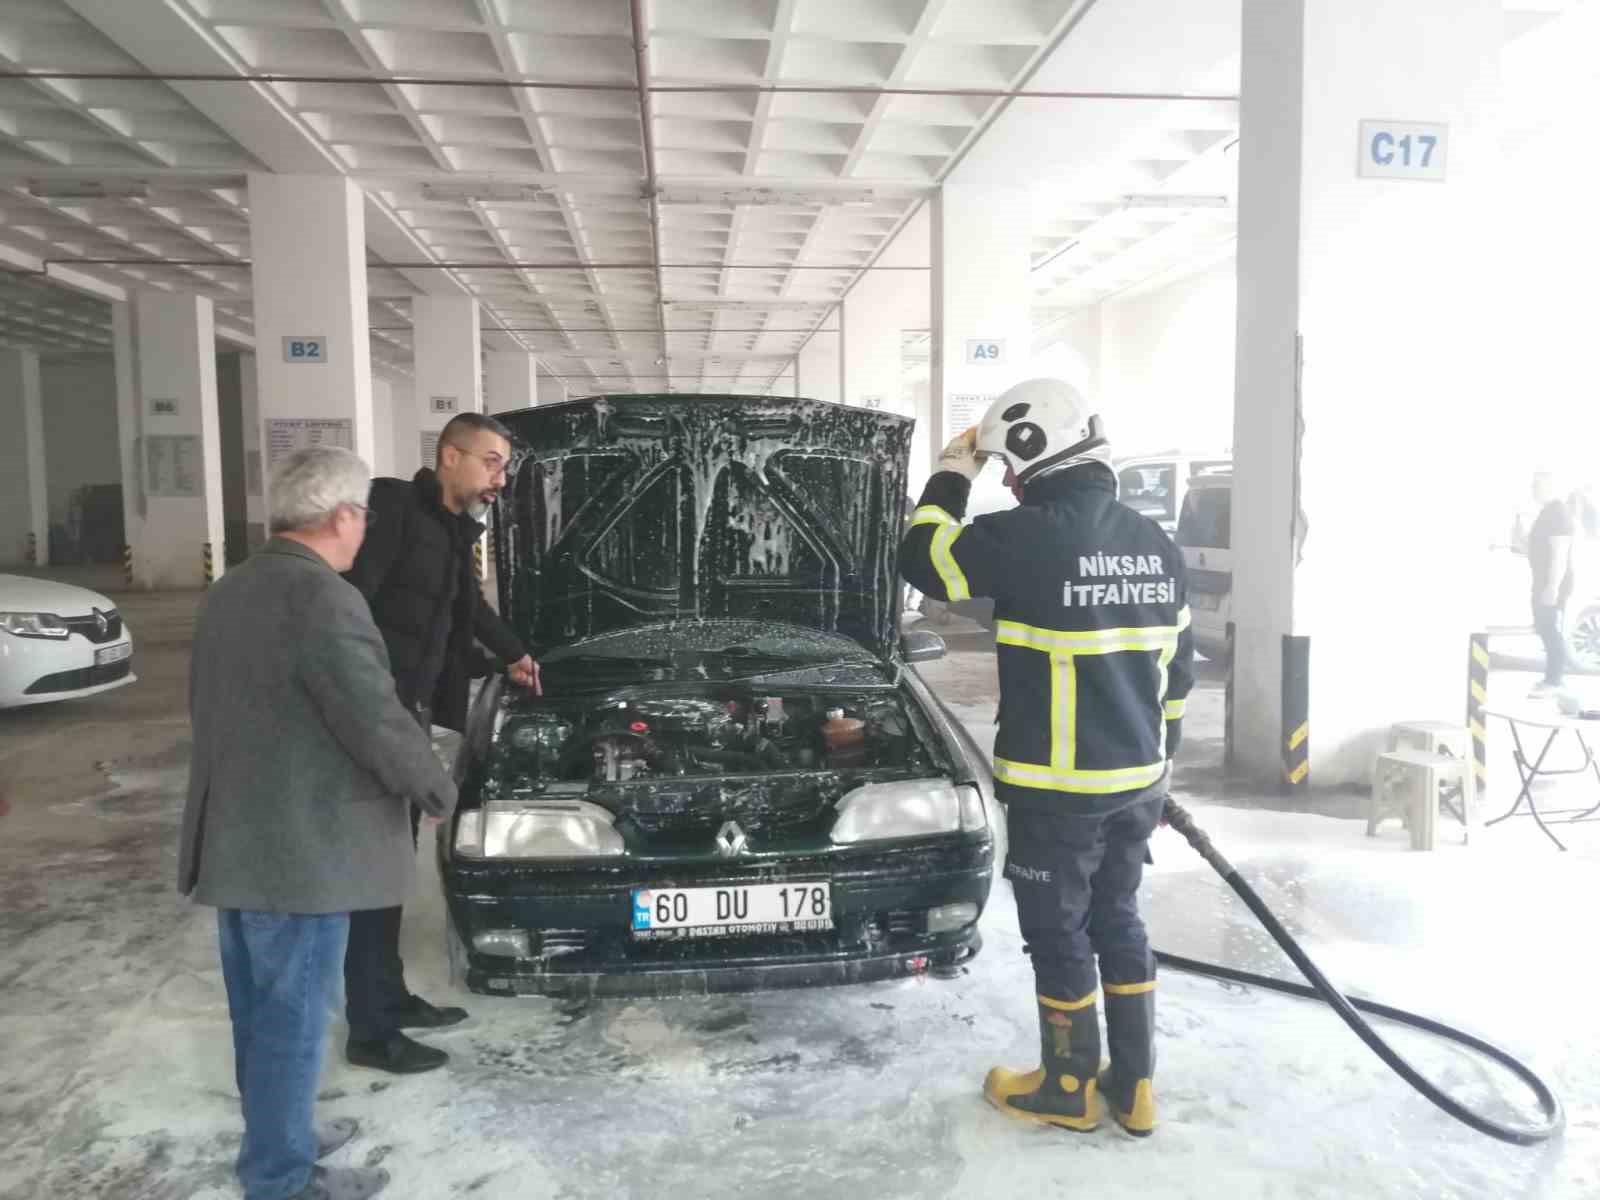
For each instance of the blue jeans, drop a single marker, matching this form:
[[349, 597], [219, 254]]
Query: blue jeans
[[282, 971]]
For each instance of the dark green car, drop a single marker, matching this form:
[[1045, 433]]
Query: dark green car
[[734, 779]]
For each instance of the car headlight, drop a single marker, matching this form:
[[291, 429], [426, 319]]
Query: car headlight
[[33, 625], [911, 808], [538, 829]]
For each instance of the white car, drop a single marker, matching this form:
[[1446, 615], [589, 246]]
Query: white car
[[59, 642]]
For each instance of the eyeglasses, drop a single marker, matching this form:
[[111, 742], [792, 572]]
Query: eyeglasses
[[496, 464], [367, 513]]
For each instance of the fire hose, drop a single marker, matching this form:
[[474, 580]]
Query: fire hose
[[1350, 1010]]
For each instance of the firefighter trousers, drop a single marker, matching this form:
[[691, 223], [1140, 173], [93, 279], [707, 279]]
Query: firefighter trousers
[[1076, 881]]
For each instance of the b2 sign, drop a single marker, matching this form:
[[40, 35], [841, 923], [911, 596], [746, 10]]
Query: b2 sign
[[1401, 150], [305, 349]]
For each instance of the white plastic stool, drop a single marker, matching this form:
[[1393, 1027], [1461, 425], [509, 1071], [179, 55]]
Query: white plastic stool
[[1407, 784], [1441, 737]]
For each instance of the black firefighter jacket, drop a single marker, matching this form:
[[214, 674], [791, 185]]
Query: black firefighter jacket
[[1091, 633], [415, 569]]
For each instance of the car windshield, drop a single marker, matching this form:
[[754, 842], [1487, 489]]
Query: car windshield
[[1205, 519], [1147, 489]]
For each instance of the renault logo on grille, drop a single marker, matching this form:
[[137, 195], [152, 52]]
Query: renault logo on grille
[[731, 840], [100, 623]]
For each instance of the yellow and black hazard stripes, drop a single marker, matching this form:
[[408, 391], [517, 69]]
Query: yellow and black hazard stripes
[[1065, 647], [1477, 698], [1296, 712], [946, 530]]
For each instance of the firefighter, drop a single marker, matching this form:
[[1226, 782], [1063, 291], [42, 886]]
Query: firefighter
[[1094, 649]]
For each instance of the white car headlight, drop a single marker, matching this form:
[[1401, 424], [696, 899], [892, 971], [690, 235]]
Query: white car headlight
[[34, 625], [538, 829], [910, 808]]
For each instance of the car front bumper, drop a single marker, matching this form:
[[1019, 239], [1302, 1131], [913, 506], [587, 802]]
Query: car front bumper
[[42, 670], [577, 920]]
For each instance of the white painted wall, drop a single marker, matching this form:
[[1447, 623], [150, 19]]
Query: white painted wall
[[511, 381], [979, 289], [383, 423], [1071, 349], [551, 389], [1166, 364], [23, 487], [79, 398], [818, 369]]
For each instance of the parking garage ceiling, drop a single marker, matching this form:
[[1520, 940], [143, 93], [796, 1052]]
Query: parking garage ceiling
[[647, 194]]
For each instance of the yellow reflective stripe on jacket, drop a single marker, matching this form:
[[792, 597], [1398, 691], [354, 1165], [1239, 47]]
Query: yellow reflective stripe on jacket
[[932, 514], [1032, 775], [1175, 709], [1063, 711], [1086, 641], [944, 562]]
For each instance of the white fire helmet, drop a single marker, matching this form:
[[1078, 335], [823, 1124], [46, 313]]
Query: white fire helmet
[[1042, 425]]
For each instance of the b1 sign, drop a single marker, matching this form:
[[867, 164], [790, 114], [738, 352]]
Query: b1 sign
[[1402, 150]]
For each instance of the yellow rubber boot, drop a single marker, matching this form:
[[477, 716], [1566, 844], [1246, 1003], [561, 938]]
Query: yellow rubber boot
[[1131, 1034], [1061, 1090]]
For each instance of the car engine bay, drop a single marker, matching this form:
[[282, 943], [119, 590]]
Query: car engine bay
[[735, 731]]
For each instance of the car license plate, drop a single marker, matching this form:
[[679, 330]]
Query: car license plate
[[112, 654], [1209, 601], [732, 909]]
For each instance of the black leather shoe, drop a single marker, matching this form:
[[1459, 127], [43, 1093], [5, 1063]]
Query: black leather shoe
[[397, 1054], [419, 1014]]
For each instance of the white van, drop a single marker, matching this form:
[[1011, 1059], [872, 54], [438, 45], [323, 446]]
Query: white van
[[1204, 535], [1156, 485]]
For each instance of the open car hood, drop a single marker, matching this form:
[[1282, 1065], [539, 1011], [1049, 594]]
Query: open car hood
[[623, 511]]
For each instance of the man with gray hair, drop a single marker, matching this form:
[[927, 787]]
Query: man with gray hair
[[304, 769]]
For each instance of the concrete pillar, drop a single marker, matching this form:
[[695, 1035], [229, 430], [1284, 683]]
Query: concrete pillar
[[383, 425], [255, 505], [447, 366], [125, 354], [982, 336], [1364, 356], [230, 423], [512, 381], [180, 445], [24, 499], [309, 286], [819, 367], [551, 389]]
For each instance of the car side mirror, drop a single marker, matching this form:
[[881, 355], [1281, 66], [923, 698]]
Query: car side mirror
[[921, 645]]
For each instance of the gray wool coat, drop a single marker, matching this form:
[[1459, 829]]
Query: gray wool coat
[[304, 763]]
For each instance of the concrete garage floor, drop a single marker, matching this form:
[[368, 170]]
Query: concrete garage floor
[[117, 1072]]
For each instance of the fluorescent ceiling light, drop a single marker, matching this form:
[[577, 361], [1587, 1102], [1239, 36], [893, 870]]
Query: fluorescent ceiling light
[[89, 189], [746, 305], [497, 193], [1160, 200], [769, 197]]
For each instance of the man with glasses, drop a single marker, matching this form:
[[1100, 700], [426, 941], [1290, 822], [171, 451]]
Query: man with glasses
[[416, 571]]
